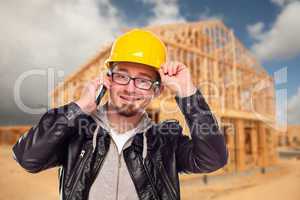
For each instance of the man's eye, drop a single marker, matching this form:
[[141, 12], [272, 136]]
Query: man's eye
[[143, 81], [121, 76]]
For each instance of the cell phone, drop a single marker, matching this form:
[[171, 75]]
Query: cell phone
[[101, 92]]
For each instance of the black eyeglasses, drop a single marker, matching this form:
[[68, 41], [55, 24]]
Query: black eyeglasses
[[141, 83]]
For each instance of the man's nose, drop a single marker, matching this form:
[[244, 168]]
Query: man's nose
[[131, 87]]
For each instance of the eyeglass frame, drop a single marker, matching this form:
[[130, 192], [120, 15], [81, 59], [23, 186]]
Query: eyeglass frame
[[155, 83]]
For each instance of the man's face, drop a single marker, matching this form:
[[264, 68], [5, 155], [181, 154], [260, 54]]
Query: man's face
[[127, 99]]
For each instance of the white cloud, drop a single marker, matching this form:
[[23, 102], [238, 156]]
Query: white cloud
[[207, 15], [282, 41], [164, 12], [255, 30], [51, 33], [282, 2], [167, 11], [294, 108], [61, 33]]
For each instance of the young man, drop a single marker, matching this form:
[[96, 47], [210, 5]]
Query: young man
[[117, 151]]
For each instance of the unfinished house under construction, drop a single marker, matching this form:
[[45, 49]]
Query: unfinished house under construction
[[237, 88]]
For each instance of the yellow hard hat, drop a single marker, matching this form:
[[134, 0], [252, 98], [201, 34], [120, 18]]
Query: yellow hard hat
[[138, 46]]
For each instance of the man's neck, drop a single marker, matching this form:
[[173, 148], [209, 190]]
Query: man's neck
[[120, 122]]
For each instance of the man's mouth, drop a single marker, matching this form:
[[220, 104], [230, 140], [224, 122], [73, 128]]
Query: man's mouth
[[130, 98]]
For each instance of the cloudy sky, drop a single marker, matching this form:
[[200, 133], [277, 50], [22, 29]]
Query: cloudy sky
[[42, 38]]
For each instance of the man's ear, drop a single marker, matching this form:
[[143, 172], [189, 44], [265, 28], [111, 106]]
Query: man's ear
[[107, 79], [158, 90], [109, 72]]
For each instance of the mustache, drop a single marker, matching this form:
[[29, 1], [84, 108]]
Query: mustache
[[131, 94], [134, 95]]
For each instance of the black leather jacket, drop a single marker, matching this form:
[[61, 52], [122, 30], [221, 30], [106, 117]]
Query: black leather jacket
[[63, 137]]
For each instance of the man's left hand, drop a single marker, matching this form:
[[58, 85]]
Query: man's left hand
[[177, 77]]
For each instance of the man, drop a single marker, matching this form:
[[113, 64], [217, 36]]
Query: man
[[117, 151]]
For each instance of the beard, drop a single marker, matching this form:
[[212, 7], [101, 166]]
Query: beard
[[126, 110], [130, 108]]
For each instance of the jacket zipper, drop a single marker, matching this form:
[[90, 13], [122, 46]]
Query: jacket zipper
[[118, 175], [78, 171], [81, 155], [166, 180], [150, 179], [76, 168], [119, 167]]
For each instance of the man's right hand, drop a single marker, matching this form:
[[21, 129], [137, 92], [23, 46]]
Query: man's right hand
[[87, 101]]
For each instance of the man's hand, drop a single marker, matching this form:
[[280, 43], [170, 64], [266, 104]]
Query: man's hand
[[177, 77], [87, 101]]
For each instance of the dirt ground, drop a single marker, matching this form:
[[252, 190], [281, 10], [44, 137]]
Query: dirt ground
[[280, 183]]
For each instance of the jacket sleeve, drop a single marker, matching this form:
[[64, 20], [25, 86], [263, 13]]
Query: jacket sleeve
[[206, 150], [44, 145]]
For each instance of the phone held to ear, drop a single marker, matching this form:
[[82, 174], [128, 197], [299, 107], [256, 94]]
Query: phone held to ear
[[101, 91]]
